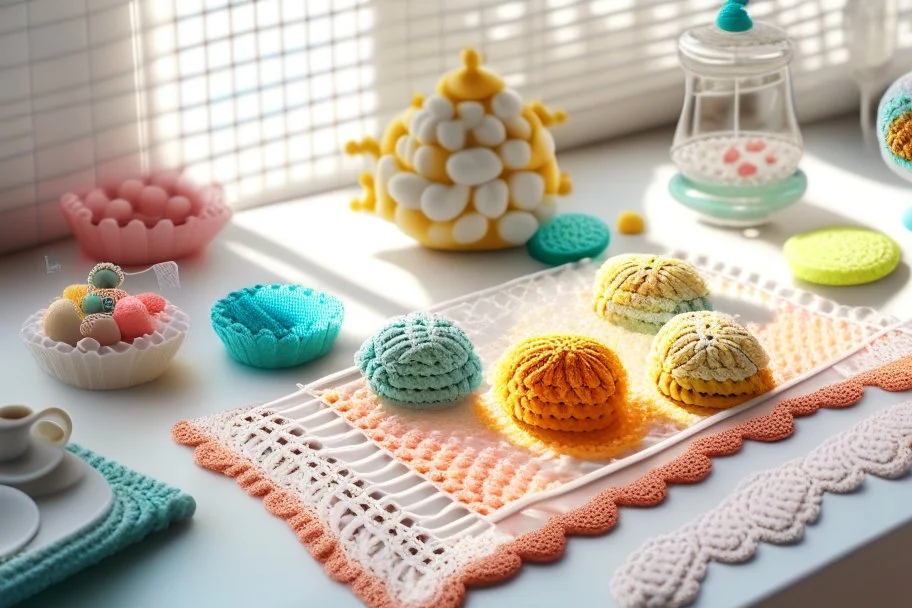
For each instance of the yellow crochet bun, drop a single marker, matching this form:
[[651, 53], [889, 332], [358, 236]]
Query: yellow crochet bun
[[471, 167], [706, 358], [562, 383], [642, 292]]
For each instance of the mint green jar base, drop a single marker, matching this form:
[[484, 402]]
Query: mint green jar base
[[738, 206]]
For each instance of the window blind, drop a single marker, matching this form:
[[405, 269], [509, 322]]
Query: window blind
[[261, 95]]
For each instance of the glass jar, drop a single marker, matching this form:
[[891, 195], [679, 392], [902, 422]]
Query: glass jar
[[737, 145]]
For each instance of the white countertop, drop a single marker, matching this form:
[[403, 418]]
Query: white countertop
[[235, 554]]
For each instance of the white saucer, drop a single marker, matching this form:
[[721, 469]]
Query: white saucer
[[20, 520], [39, 459]]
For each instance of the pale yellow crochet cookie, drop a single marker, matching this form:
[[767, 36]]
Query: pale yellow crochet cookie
[[706, 358], [641, 292]]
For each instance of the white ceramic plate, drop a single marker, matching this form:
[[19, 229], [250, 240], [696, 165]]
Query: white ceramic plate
[[39, 459], [72, 499], [19, 522]]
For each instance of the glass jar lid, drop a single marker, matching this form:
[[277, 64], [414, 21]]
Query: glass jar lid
[[734, 45]]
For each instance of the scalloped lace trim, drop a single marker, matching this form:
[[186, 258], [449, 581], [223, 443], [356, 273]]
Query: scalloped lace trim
[[772, 506], [216, 450]]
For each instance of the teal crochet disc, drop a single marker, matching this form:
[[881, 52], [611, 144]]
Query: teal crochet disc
[[569, 238], [277, 326], [141, 506], [420, 361]]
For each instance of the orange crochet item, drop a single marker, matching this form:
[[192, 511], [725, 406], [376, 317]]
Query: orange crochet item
[[562, 383], [546, 544]]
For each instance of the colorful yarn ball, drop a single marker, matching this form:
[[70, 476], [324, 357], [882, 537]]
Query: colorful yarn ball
[[106, 276], [630, 222], [92, 304], [562, 383], [76, 294], [420, 360], [707, 359], [133, 319], [733, 17], [842, 256], [569, 238], [102, 328], [642, 292], [153, 302]]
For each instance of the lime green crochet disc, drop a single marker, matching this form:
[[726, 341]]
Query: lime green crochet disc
[[842, 256]]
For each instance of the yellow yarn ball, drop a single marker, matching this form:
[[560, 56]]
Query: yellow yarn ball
[[630, 222]]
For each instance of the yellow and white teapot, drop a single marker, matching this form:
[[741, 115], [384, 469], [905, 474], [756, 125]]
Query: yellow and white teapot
[[471, 167]]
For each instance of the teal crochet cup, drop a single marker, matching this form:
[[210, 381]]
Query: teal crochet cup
[[421, 361], [277, 326]]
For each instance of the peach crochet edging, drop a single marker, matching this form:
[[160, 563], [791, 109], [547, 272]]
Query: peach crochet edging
[[596, 517]]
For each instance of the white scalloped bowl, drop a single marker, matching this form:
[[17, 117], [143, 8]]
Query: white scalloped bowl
[[91, 366]]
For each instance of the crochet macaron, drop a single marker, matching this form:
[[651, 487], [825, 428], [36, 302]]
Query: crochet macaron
[[420, 360], [707, 359], [642, 292]]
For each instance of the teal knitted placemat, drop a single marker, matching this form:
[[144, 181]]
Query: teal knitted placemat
[[141, 506]]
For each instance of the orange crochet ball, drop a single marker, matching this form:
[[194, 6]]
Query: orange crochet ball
[[562, 383]]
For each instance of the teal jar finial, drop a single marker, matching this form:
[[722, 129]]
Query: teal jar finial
[[733, 17]]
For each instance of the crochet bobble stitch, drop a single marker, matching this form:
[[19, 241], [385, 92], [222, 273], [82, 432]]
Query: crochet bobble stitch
[[643, 292], [705, 358], [420, 359], [562, 383], [899, 136]]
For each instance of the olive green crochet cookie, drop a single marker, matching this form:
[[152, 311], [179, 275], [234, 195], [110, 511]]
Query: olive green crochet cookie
[[842, 256]]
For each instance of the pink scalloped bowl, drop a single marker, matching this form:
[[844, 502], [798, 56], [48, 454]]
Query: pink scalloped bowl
[[129, 237]]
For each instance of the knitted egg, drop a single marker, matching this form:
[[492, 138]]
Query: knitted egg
[[642, 292], [61, 322], [471, 167], [706, 358], [102, 328], [562, 383], [421, 360]]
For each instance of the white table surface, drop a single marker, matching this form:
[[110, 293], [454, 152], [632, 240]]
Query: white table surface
[[234, 553]]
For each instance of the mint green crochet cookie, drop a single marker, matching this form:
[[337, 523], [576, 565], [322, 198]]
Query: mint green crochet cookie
[[569, 238], [842, 256], [420, 360], [141, 506]]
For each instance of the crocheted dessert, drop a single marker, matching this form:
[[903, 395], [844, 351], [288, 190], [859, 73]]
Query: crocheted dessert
[[471, 167], [842, 256], [569, 238], [420, 360], [154, 218], [277, 326], [707, 359], [99, 336], [894, 126], [642, 292], [562, 383]]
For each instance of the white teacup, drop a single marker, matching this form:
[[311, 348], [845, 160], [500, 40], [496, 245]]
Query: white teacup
[[19, 423]]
